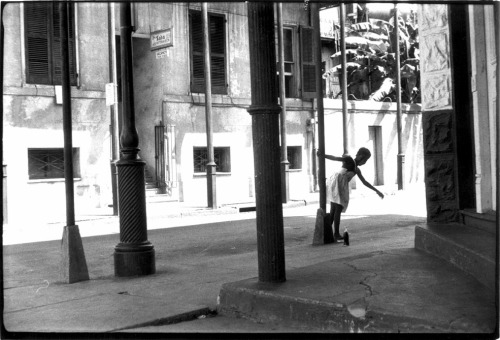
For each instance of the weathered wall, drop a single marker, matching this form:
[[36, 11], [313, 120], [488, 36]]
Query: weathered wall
[[437, 113], [162, 92], [362, 115], [33, 119]]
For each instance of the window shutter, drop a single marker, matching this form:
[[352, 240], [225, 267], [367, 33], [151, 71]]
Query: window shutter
[[56, 46], [308, 67], [217, 53], [37, 43], [197, 61], [43, 44]]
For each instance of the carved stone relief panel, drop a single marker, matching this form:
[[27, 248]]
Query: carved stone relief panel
[[436, 53], [436, 91], [438, 132], [435, 57], [440, 175], [433, 16]]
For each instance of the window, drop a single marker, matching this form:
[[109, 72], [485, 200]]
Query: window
[[294, 154], [289, 63], [300, 70], [49, 163], [217, 36], [43, 43], [222, 158]]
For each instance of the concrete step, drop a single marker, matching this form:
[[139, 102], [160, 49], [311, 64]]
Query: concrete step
[[399, 290], [485, 221], [470, 249]]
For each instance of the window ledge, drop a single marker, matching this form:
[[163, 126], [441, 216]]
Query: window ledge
[[50, 180], [204, 174], [294, 170], [367, 105]]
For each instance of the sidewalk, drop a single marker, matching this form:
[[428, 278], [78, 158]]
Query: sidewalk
[[357, 288]]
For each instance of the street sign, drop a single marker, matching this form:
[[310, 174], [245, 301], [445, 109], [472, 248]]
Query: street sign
[[162, 54], [161, 39]]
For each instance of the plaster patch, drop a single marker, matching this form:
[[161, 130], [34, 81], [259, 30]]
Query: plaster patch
[[358, 309]]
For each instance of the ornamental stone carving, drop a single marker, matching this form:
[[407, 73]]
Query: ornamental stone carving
[[437, 131], [440, 178], [436, 91], [433, 16], [435, 53], [435, 57]]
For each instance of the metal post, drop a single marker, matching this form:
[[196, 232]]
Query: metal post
[[113, 108], [344, 78], [211, 166], [74, 265], [401, 156], [134, 255], [285, 164], [265, 111], [320, 108], [4, 166]]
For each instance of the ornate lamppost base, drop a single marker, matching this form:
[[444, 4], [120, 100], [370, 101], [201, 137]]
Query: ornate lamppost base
[[134, 260]]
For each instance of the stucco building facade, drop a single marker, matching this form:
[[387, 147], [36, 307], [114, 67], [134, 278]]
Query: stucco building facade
[[169, 94]]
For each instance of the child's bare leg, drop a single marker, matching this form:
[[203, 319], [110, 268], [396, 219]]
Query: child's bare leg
[[336, 220]]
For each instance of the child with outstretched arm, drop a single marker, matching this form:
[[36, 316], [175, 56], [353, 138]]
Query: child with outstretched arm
[[337, 186]]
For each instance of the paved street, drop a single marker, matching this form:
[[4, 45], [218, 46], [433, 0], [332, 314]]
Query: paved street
[[195, 255]]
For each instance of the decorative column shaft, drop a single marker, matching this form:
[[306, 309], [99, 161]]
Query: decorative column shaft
[[134, 255], [265, 132]]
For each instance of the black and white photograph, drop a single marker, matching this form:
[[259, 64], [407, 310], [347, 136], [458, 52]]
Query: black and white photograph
[[250, 169]]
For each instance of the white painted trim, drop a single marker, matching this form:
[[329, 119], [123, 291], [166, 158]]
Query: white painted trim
[[23, 46], [77, 48], [480, 108], [491, 69]]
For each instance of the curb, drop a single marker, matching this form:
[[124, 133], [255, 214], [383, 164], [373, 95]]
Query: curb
[[186, 316]]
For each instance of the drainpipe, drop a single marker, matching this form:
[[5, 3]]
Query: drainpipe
[[74, 265], [401, 155], [344, 77], [285, 164], [211, 166], [115, 145]]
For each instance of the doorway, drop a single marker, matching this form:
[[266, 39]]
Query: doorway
[[375, 136]]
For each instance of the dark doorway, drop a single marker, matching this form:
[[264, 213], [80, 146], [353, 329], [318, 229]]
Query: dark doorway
[[462, 104], [375, 136]]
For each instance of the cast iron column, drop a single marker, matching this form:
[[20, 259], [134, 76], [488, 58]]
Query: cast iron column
[[211, 166], [265, 132], [134, 255], [401, 155]]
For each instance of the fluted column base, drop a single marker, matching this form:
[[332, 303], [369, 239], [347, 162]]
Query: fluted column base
[[134, 255]]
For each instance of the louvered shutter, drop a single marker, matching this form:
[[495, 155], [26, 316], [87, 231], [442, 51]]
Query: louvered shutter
[[197, 61], [37, 43], [43, 44], [217, 53], [56, 46], [308, 67]]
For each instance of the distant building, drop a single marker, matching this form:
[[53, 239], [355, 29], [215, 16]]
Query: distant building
[[169, 107]]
